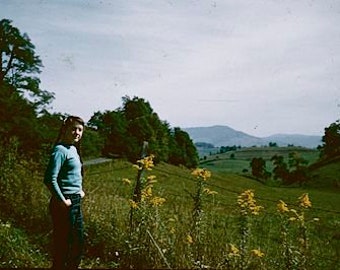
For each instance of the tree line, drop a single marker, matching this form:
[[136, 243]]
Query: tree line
[[296, 169], [25, 115]]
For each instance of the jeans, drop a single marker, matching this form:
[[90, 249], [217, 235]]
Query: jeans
[[68, 233]]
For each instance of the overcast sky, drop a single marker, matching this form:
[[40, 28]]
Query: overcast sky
[[259, 66]]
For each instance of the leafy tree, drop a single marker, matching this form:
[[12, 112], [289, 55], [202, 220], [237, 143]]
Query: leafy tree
[[92, 143], [258, 168], [331, 140], [272, 144], [295, 160], [125, 130], [18, 119], [143, 124], [111, 128], [20, 65], [21, 99], [48, 125], [280, 170], [295, 171], [182, 150], [298, 169]]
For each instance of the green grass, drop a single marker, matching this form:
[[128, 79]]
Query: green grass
[[17, 250], [106, 212], [108, 193], [241, 158]]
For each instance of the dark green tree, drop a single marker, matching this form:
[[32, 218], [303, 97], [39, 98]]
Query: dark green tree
[[111, 128], [272, 144], [125, 130], [21, 99], [280, 170], [258, 168], [20, 65], [331, 140], [298, 169], [143, 124], [182, 150]]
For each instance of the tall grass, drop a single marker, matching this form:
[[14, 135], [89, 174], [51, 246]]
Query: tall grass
[[199, 224]]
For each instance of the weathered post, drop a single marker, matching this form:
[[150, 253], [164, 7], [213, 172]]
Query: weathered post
[[137, 194]]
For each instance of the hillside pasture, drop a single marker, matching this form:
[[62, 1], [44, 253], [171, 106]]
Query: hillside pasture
[[107, 221], [107, 210], [238, 161]]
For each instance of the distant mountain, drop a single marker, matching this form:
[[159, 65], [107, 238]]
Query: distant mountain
[[226, 136]]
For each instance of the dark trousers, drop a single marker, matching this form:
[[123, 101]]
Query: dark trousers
[[68, 233]]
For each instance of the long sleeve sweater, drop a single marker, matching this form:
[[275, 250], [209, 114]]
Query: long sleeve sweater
[[63, 174]]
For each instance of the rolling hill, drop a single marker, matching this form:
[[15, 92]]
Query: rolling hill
[[226, 136]]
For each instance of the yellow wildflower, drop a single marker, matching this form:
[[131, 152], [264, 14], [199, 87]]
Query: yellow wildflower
[[209, 192], [157, 201], [151, 179], [126, 181], [201, 173], [304, 201], [148, 191], [137, 167], [282, 207], [133, 204], [189, 239], [247, 203], [234, 251], [255, 210], [257, 253], [145, 163]]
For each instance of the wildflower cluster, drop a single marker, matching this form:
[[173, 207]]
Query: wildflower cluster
[[146, 185], [145, 163], [201, 174], [282, 207], [247, 203], [241, 256], [304, 203], [233, 251], [144, 215], [257, 253], [294, 254], [197, 233]]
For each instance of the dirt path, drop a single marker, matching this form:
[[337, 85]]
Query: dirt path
[[96, 161]]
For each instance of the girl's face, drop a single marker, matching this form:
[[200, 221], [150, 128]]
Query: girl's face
[[73, 133]]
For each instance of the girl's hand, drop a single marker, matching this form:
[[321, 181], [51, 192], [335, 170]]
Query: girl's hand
[[82, 194], [68, 202]]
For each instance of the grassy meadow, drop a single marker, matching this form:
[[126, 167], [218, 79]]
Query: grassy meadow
[[220, 221], [239, 160]]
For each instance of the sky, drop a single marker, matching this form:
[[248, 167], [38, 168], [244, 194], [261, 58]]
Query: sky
[[259, 66]]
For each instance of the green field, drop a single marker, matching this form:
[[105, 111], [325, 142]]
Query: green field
[[110, 243], [239, 160]]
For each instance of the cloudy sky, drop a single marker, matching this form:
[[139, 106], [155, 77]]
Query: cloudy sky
[[259, 66]]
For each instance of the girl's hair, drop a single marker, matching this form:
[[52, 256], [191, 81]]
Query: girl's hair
[[66, 123]]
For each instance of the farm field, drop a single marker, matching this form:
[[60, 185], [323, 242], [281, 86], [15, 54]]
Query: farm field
[[239, 160]]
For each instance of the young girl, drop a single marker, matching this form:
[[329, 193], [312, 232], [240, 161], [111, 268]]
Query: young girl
[[63, 177]]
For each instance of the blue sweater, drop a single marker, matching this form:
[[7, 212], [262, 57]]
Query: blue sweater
[[63, 174]]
